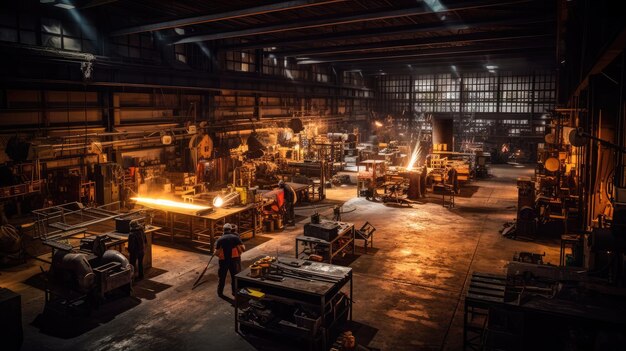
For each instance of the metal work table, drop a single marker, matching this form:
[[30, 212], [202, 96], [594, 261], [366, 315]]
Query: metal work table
[[346, 230], [246, 217], [317, 295]]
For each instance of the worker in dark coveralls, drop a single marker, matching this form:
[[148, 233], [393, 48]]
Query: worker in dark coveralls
[[228, 248], [290, 198], [137, 247]]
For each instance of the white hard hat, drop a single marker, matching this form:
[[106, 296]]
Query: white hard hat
[[228, 227]]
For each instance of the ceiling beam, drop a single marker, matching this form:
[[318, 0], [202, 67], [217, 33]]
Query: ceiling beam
[[252, 11], [411, 43], [363, 17], [520, 48], [534, 55], [96, 3], [386, 31]]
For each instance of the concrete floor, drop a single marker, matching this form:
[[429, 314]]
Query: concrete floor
[[408, 291]]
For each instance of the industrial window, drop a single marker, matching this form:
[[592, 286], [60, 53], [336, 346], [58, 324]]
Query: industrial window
[[447, 94], [272, 65], [544, 92], [68, 36], [516, 94], [180, 54], [394, 93], [353, 78], [135, 46], [17, 29], [295, 71], [321, 73], [480, 92], [425, 93], [241, 61]]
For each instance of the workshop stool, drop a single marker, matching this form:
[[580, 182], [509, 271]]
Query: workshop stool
[[366, 233], [448, 191]]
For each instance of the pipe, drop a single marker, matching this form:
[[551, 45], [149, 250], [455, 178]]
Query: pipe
[[77, 265], [115, 256]]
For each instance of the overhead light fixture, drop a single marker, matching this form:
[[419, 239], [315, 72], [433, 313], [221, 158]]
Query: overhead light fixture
[[378, 123], [179, 31], [492, 71], [491, 67], [65, 5]]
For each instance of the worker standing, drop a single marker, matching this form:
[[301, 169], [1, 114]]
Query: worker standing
[[228, 248], [290, 198], [137, 247]]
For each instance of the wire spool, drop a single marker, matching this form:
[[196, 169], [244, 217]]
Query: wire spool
[[552, 164]]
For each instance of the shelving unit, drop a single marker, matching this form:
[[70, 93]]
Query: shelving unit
[[281, 299]]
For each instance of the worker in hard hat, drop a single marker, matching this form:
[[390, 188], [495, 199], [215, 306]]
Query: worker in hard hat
[[228, 248], [290, 198]]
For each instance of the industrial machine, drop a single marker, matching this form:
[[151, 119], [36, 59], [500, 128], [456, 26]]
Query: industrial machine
[[78, 277]]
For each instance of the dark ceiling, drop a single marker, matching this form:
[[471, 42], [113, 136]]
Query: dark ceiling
[[367, 35]]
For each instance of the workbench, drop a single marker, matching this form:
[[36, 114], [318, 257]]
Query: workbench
[[325, 297], [346, 230], [245, 217]]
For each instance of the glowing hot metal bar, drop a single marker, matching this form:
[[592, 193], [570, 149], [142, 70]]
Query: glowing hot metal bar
[[163, 204]]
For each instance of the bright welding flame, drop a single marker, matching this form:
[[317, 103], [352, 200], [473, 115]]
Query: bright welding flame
[[378, 123], [168, 203], [415, 155], [218, 201]]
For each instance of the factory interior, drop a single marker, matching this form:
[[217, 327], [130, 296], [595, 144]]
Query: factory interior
[[328, 175]]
